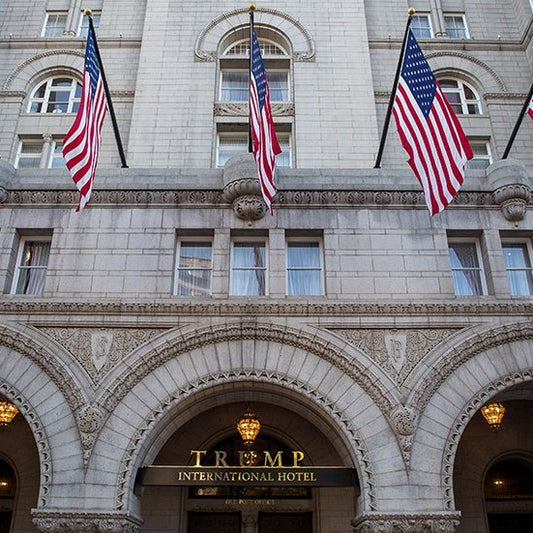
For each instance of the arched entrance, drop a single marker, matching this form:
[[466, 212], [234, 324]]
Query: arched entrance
[[489, 460], [285, 428]]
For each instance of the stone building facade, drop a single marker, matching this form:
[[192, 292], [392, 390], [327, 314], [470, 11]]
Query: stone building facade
[[362, 332]]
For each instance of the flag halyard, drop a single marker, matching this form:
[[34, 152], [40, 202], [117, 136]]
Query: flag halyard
[[265, 144], [429, 130], [81, 145]]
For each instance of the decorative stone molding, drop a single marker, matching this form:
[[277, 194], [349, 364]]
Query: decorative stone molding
[[99, 350], [460, 423], [512, 191], [89, 421], [39, 434], [241, 188], [128, 462], [404, 420], [45, 361], [3, 195], [444, 522], [205, 48], [397, 351], [240, 109], [84, 522]]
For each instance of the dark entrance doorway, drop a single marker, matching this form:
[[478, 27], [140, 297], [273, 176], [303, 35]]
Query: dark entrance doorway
[[285, 523], [210, 522]]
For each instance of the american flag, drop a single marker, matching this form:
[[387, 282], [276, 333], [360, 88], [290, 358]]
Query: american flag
[[530, 108], [82, 142], [264, 141], [429, 130]]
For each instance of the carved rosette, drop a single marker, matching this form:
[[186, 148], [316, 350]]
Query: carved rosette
[[406, 523], [510, 182], [405, 420], [241, 188], [76, 522], [89, 420]]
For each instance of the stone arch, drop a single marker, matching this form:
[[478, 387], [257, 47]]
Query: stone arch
[[465, 376], [471, 69], [144, 399], [207, 42], [40, 66]]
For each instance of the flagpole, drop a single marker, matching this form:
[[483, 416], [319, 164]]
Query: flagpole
[[518, 123], [251, 9], [88, 13], [411, 11]]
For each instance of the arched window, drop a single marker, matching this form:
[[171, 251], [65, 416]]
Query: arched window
[[463, 98], [56, 95]]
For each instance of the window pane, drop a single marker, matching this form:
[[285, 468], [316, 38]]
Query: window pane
[[32, 268], [420, 26], [518, 269], [465, 269], [30, 154], [455, 26], [278, 85], [55, 24], [304, 272], [84, 30], [248, 276], [234, 87], [194, 269]]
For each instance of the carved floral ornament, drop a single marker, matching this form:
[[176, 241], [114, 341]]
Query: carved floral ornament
[[80, 522], [445, 522]]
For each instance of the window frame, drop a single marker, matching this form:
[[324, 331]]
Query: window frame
[[487, 156], [54, 12], [44, 102], [527, 246], [19, 267], [419, 16], [245, 89], [475, 241], [197, 239], [320, 268], [455, 15], [266, 268], [83, 29], [463, 100], [48, 153]]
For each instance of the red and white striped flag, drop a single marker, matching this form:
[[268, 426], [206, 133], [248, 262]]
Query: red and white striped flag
[[81, 145], [429, 130], [265, 144], [530, 108]]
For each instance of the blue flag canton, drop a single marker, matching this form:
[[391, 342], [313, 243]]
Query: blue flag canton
[[418, 75], [258, 71], [91, 63]]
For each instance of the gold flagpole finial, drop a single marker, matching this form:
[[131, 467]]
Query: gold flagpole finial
[[88, 12], [411, 11], [251, 7]]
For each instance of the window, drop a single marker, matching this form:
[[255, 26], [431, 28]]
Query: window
[[32, 262], [248, 269], [516, 256], [466, 267], [455, 26], [234, 86], [230, 144], [461, 97], [38, 153], [84, 25], [193, 268], [56, 95], [482, 155], [421, 26], [54, 24], [304, 268]]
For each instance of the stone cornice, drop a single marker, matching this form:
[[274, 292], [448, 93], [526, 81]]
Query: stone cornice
[[210, 198], [206, 307]]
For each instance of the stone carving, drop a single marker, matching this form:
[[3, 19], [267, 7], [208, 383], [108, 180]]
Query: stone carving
[[404, 421], [89, 420], [513, 200], [84, 522], [396, 350], [240, 109], [445, 522], [145, 429], [3, 195], [99, 350]]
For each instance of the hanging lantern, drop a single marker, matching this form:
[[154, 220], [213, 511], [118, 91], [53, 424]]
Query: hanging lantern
[[248, 427], [7, 413], [493, 414]]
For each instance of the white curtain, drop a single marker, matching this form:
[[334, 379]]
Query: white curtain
[[466, 271], [32, 271], [304, 272], [248, 276]]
